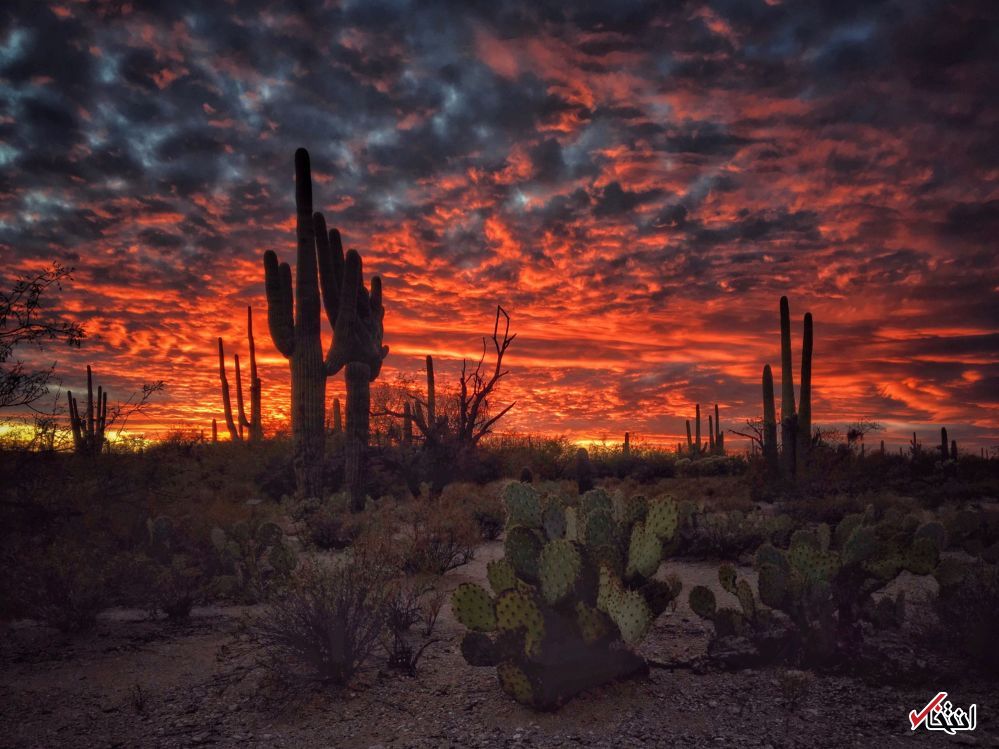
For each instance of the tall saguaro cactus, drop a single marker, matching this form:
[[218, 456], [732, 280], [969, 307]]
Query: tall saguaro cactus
[[88, 428], [788, 417], [805, 394], [293, 319], [769, 419]]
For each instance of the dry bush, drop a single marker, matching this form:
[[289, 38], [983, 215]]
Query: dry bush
[[329, 620], [438, 537], [66, 586]]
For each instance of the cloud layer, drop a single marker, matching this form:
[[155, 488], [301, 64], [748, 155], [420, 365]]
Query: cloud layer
[[636, 184]]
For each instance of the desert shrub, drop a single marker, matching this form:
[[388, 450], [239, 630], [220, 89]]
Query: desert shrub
[[483, 502], [331, 529], [328, 621], [67, 586], [968, 608], [434, 543], [712, 465], [254, 559]]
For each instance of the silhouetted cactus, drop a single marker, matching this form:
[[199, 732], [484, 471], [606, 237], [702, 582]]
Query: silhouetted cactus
[[805, 393], [944, 445], [215, 431], [719, 447], [337, 417], [788, 417], [626, 448], [241, 427], [769, 420], [356, 317], [584, 471], [88, 429], [953, 449]]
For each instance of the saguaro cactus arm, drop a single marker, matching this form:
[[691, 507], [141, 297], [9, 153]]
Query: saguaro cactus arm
[[280, 315], [226, 401], [358, 331]]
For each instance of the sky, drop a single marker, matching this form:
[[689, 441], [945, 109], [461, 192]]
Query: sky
[[637, 183]]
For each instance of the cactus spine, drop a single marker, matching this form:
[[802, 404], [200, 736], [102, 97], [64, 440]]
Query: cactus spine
[[88, 430], [769, 419]]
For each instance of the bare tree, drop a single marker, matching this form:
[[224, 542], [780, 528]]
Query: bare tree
[[22, 322], [474, 421]]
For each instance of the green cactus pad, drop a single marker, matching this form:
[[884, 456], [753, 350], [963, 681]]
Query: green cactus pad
[[515, 682], [660, 594], [600, 528], [522, 548], [662, 517], [884, 569], [515, 610], [923, 556], [478, 649], [726, 576], [607, 555], [860, 545], [814, 565], [631, 614], [595, 499], [728, 622], [594, 625], [553, 519], [702, 602], [774, 585], [501, 575], [805, 537], [523, 505], [770, 554], [744, 592], [608, 588], [474, 607], [629, 510], [845, 527], [645, 552], [559, 569]]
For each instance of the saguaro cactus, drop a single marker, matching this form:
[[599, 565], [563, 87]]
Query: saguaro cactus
[[719, 435], [293, 320], [357, 316], [769, 419], [88, 429], [337, 417], [944, 444], [788, 417], [241, 427], [697, 429], [805, 393]]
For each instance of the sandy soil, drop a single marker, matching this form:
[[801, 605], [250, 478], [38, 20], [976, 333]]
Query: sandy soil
[[140, 683]]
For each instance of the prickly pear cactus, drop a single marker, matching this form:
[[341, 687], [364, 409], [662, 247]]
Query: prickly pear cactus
[[823, 584], [574, 591], [253, 557]]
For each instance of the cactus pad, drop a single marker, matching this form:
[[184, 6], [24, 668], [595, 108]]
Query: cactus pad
[[594, 625], [522, 547], [923, 556], [571, 523], [726, 576], [934, 531], [559, 569], [595, 499], [645, 552], [501, 575], [702, 602], [515, 683], [515, 610], [629, 510], [553, 519], [474, 607], [662, 517], [744, 593], [523, 505], [600, 528], [629, 611]]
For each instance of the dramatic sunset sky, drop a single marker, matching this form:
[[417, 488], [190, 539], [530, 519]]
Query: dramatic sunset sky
[[636, 182]]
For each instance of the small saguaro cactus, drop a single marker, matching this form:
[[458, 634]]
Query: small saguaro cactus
[[626, 448], [337, 417], [944, 445], [584, 471], [88, 428], [241, 427], [719, 434]]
